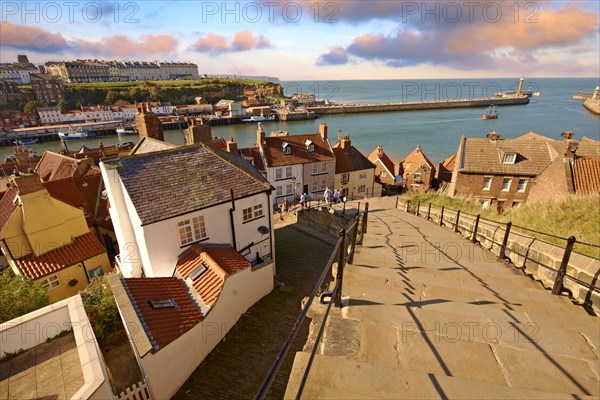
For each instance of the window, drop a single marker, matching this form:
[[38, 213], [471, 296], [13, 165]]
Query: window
[[278, 191], [345, 178], [522, 185], [315, 186], [509, 158], [278, 174], [383, 174], [487, 183], [362, 188], [323, 184], [363, 175], [167, 303], [324, 168], [286, 148], [516, 204], [247, 214], [50, 282], [289, 188], [191, 230], [258, 210], [506, 184], [484, 203], [417, 176], [315, 169], [197, 272], [288, 172]]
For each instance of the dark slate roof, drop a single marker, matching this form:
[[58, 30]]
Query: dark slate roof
[[178, 181], [148, 145], [588, 148], [350, 159]]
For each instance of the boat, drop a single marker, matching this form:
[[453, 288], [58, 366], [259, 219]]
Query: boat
[[72, 134], [27, 141], [536, 94], [491, 113], [122, 130], [260, 118]]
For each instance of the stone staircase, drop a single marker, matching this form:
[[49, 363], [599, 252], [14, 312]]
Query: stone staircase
[[427, 314]]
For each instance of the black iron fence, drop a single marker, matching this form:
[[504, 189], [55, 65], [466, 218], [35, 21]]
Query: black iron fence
[[342, 254], [474, 235]]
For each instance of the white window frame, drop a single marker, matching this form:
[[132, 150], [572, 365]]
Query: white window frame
[[362, 188], [278, 191], [487, 183], [345, 178], [315, 168], [194, 230], [247, 214], [509, 158], [278, 173], [324, 168], [363, 175], [383, 174], [522, 189], [288, 172], [289, 188], [417, 176], [315, 185], [508, 186], [50, 282]]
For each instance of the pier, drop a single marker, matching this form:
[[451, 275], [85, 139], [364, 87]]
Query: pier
[[419, 105], [48, 133]]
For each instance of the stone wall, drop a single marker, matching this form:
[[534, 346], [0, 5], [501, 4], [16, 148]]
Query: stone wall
[[324, 221], [535, 257]]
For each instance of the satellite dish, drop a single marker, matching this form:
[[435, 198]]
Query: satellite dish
[[263, 230]]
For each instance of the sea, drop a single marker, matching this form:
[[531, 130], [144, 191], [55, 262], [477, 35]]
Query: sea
[[437, 131]]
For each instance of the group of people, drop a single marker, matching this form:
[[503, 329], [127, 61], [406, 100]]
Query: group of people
[[333, 196], [330, 196]]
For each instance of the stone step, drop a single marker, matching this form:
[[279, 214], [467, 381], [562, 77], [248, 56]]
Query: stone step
[[339, 378]]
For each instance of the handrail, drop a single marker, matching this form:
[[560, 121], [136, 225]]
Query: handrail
[[339, 251]]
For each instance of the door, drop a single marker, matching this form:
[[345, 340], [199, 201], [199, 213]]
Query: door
[[500, 207], [305, 189]]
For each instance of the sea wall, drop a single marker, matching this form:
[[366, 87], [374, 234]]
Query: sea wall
[[537, 258], [425, 105]]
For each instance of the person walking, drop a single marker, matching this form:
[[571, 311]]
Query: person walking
[[327, 195]]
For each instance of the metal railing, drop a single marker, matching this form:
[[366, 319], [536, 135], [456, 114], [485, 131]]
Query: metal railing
[[353, 234], [561, 272]]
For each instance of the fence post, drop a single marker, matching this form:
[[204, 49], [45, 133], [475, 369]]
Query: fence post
[[365, 217], [397, 200], [358, 209], [562, 271], [418, 208], [407, 205], [502, 254], [456, 222], [429, 212], [354, 236], [442, 216], [337, 300], [474, 237]]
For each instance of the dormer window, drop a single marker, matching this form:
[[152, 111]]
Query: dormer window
[[286, 148], [509, 158], [310, 146]]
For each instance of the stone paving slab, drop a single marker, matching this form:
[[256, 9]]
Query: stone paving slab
[[442, 318]]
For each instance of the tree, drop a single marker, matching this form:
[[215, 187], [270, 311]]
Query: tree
[[31, 106], [19, 296], [63, 106]]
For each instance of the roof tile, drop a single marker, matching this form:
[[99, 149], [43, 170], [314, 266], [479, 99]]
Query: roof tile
[[586, 175], [274, 156]]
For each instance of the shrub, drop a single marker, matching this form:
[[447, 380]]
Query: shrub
[[101, 307], [19, 296]]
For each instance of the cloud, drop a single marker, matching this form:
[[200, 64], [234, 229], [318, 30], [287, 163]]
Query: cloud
[[336, 56], [242, 41], [478, 45], [123, 46], [32, 38]]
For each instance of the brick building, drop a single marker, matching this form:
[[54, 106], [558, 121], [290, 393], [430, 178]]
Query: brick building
[[417, 171], [384, 167], [8, 86], [47, 89]]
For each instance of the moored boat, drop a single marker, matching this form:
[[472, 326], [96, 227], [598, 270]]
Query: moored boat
[[25, 141], [72, 134]]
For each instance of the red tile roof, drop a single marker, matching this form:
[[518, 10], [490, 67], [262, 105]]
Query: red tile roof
[[274, 156], [8, 206], [80, 249], [220, 260], [252, 155], [56, 166], [414, 160], [586, 176], [349, 158], [163, 325], [449, 162], [379, 154]]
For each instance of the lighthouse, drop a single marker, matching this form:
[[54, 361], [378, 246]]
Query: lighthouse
[[520, 86]]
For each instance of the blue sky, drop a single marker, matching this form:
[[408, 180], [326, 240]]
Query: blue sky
[[309, 39]]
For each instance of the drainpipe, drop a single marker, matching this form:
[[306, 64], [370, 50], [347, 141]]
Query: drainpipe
[[231, 210], [8, 248]]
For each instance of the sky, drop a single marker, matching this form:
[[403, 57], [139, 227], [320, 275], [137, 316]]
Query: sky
[[317, 40]]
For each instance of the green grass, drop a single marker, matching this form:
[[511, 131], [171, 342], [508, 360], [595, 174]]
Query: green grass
[[165, 84], [577, 216]]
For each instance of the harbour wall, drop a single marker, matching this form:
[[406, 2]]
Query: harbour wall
[[421, 105]]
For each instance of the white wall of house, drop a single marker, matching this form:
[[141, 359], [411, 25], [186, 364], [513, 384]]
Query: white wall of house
[[171, 366], [359, 184], [318, 181], [159, 244], [289, 185]]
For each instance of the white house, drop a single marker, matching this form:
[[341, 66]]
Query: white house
[[163, 202], [50, 115], [297, 164]]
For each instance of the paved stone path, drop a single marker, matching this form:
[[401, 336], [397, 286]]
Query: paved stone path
[[236, 368], [430, 315]]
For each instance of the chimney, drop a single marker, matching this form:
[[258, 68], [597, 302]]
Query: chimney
[[345, 141], [493, 136], [232, 146], [418, 148], [260, 135], [148, 124], [28, 183], [323, 130], [568, 135], [197, 133]]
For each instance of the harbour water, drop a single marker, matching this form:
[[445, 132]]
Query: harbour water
[[437, 131]]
